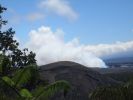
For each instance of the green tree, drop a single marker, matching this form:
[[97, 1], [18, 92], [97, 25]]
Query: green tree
[[120, 92], [16, 86], [23, 82], [107, 93], [10, 47], [4, 65], [2, 22]]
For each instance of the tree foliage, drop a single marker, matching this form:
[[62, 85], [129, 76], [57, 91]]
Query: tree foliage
[[28, 75], [19, 76], [10, 47], [5, 65], [124, 92], [43, 93], [7, 91], [17, 87]]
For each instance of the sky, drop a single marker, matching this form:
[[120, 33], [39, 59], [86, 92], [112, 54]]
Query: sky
[[100, 27]]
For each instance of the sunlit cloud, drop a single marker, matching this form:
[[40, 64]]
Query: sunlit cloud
[[107, 50], [51, 47]]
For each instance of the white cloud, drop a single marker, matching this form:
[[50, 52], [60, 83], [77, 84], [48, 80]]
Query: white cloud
[[35, 16], [59, 7], [50, 47], [107, 50]]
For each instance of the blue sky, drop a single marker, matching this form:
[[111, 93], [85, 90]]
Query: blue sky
[[97, 21], [73, 30]]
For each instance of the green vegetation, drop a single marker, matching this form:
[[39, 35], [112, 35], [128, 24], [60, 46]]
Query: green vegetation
[[123, 92], [19, 75], [9, 47], [122, 76]]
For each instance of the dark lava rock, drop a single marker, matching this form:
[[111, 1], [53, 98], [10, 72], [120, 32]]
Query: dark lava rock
[[82, 79]]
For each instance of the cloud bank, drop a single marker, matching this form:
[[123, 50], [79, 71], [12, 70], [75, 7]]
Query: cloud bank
[[111, 50], [50, 47], [59, 7]]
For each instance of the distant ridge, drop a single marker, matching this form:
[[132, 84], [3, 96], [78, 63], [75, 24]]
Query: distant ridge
[[82, 79], [119, 62]]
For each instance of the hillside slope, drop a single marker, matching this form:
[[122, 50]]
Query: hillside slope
[[82, 79], [123, 74]]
